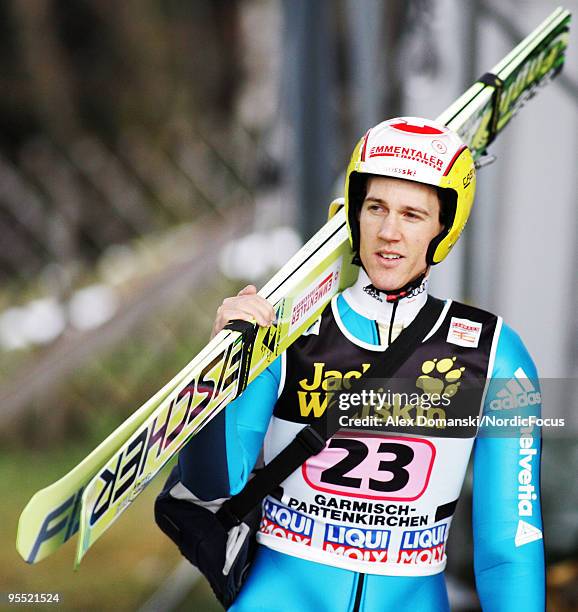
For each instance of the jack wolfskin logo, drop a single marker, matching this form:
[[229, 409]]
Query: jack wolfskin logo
[[316, 395], [440, 377]]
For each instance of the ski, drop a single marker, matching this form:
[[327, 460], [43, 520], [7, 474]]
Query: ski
[[96, 492], [485, 109], [159, 428]]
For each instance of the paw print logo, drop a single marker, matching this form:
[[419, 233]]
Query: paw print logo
[[440, 376]]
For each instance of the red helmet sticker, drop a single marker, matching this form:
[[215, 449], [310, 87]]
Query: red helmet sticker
[[453, 160], [412, 128], [364, 145]]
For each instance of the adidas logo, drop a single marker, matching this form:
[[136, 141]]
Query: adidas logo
[[518, 392], [526, 533]]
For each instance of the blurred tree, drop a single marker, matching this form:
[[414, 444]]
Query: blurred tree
[[79, 77]]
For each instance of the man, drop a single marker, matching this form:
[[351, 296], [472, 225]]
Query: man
[[363, 524]]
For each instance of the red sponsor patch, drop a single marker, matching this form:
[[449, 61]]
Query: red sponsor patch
[[424, 556], [406, 153], [308, 302], [464, 332], [428, 130], [373, 556], [271, 528]]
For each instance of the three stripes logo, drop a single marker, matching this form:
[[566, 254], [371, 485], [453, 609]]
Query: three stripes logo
[[518, 392]]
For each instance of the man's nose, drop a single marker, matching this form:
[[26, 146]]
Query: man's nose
[[390, 228]]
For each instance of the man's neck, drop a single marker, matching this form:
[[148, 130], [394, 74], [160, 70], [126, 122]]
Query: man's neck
[[371, 303]]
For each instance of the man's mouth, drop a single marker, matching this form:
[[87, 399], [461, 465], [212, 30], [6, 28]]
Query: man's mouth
[[389, 256]]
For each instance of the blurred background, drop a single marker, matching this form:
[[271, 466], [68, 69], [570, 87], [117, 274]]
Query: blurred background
[[157, 155]]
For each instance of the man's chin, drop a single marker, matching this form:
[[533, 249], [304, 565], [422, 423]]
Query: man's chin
[[392, 282], [387, 284]]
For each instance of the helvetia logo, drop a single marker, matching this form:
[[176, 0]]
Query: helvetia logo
[[518, 392], [526, 533]]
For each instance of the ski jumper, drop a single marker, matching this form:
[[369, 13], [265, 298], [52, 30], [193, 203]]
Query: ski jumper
[[363, 525]]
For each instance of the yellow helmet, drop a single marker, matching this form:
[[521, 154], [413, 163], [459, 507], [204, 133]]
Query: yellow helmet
[[421, 150]]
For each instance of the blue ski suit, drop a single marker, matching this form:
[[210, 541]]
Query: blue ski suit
[[336, 542]]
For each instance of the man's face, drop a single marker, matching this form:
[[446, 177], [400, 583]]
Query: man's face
[[398, 219]]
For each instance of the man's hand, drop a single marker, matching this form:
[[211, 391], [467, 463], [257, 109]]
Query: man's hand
[[246, 305]]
